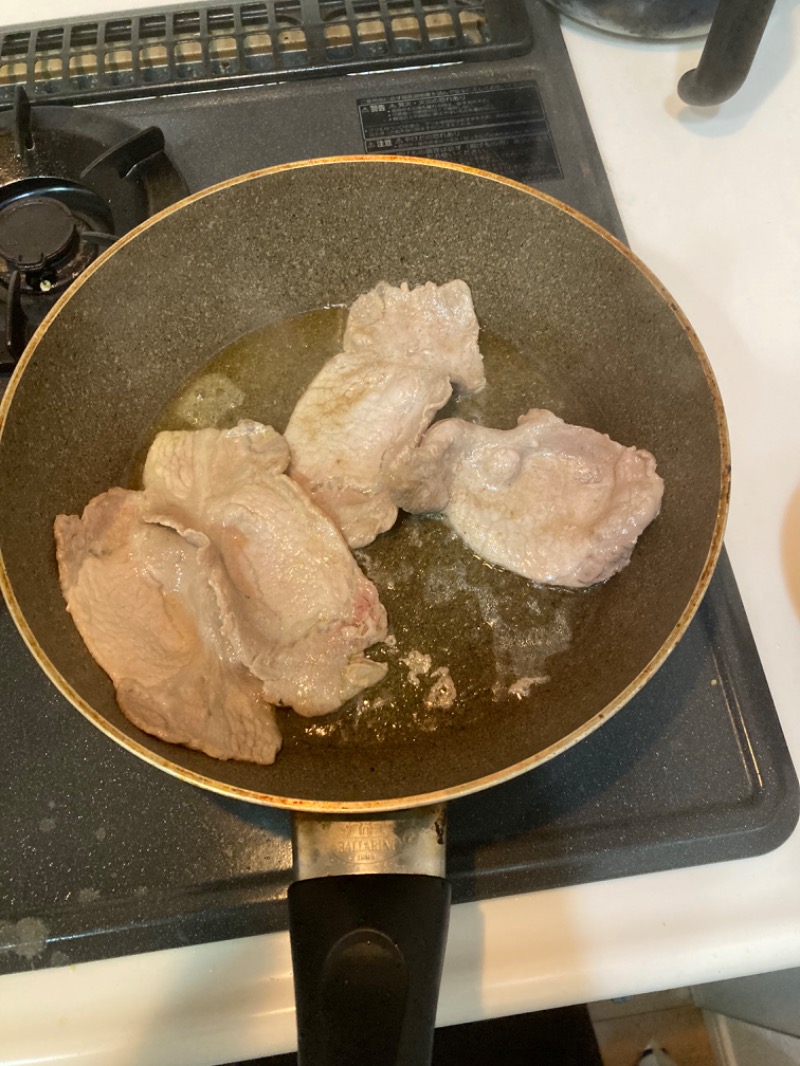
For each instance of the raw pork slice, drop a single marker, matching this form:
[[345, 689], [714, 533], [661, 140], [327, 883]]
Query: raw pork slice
[[295, 606], [559, 504], [368, 407], [142, 603]]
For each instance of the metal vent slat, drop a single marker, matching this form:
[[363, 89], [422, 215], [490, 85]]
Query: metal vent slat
[[186, 48], [203, 36], [388, 25]]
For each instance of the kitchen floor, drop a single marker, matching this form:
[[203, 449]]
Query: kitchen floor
[[625, 1028]]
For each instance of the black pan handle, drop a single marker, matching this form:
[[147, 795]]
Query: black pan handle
[[731, 45], [367, 952]]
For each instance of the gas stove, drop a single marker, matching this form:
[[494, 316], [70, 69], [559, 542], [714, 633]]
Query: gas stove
[[101, 855]]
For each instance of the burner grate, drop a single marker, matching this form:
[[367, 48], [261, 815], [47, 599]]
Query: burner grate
[[198, 48], [70, 184]]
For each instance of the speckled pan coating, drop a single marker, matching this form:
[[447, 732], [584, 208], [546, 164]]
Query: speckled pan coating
[[276, 243]]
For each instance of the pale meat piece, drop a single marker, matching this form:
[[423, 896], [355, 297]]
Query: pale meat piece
[[141, 601], [559, 504], [366, 410], [295, 606]]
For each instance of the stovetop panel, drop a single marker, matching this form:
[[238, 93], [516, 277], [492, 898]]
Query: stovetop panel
[[101, 854]]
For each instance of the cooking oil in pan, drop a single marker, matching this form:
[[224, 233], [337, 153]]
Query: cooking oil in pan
[[463, 634]]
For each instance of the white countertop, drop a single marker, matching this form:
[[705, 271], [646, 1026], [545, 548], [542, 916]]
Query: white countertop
[[709, 200]]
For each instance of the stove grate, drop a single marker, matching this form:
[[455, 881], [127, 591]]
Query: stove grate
[[70, 184], [226, 45]]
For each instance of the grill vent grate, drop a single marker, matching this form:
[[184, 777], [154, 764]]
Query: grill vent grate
[[224, 45]]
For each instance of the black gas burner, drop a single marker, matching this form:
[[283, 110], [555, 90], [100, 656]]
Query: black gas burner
[[70, 184], [36, 235], [49, 232]]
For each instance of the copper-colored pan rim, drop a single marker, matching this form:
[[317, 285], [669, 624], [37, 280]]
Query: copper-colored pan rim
[[454, 791]]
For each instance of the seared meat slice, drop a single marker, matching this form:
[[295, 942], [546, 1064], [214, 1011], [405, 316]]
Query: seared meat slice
[[368, 407], [559, 504], [434, 323], [141, 601], [295, 606]]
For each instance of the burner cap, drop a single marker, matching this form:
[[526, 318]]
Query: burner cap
[[36, 232]]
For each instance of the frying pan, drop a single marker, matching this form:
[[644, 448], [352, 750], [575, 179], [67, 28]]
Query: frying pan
[[586, 330]]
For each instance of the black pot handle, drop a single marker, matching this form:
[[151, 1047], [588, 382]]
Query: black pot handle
[[367, 953], [733, 40]]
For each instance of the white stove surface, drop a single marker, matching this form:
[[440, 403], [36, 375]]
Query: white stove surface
[[709, 201]]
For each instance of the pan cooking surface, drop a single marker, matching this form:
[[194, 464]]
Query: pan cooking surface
[[464, 635]]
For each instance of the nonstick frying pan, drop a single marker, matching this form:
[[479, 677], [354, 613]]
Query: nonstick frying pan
[[573, 322]]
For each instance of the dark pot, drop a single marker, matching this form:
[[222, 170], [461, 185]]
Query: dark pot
[[734, 29]]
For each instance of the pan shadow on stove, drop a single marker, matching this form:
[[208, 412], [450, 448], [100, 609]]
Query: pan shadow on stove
[[273, 820]]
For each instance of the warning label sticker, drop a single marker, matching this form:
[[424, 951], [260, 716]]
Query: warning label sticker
[[501, 128]]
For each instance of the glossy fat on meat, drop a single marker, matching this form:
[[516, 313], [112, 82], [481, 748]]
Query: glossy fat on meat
[[295, 606], [141, 601], [559, 504], [366, 410]]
